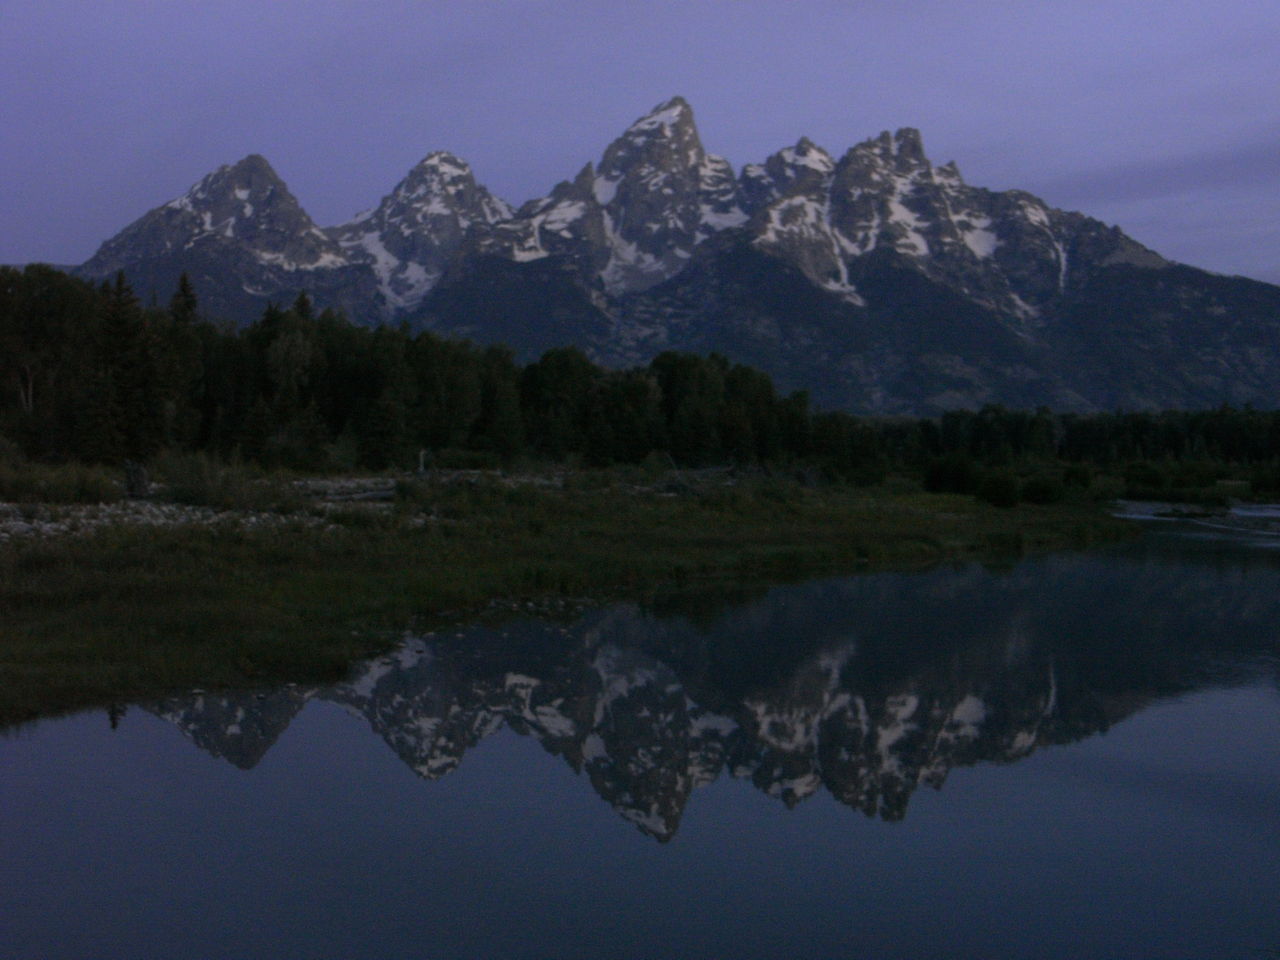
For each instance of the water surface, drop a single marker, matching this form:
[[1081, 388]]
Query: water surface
[[1078, 756]]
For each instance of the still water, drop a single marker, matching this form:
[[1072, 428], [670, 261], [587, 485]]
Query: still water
[[1078, 756]]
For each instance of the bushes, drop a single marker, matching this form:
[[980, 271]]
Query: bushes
[[954, 473], [9, 451], [70, 483], [1078, 475], [999, 488], [199, 480], [1145, 481], [1042, 488], [1265, 479], [457, 458], [24, 482]]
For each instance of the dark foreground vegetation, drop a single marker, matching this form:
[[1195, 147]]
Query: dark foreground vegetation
[[555, 480]]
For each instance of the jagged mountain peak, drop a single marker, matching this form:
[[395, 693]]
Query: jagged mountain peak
[[900, 152], [805, 153], [908, 145], [244, 200], [632, 220], [413, 235], [443, 173], [803, 167], [444, 161], [949, 172], [245, 207], [250, 177], [664, 119], [437, 169], [254, 164], [808, 154], [442, 183], [665, 137]]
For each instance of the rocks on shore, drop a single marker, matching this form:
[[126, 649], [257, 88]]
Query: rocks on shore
[[25, 521]]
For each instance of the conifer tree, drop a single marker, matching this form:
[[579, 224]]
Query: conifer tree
[[500, 426], [183, 306]]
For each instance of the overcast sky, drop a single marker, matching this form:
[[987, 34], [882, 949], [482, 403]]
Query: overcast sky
[[1162, 117]]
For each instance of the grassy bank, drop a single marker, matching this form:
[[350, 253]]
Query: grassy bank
[[129, 612]]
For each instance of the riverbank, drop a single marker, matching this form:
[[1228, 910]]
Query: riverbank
[[136, 599]]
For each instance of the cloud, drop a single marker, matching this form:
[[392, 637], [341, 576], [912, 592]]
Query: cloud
[[1241, 165]]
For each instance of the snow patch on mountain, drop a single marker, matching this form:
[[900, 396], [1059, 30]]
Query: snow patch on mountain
[[561, 217], [604, 189], [978, 236], [910, 227]]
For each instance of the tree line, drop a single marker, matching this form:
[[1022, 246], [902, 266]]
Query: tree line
[[90, 374]]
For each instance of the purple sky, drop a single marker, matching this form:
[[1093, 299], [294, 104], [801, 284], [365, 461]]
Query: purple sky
[[1162, 117]]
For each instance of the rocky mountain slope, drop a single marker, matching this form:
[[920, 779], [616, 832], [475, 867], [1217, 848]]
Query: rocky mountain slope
[[876, 280]]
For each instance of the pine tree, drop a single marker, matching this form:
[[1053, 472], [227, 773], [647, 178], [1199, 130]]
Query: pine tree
[[183, 306], [500, 426]]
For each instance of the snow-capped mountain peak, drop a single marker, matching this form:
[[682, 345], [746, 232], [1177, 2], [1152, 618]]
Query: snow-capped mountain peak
[[243, 207], [443, 183], [632, 220], [248, 201], [665, 120], [413, 235]]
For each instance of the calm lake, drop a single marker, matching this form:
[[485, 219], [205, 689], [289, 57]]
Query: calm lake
[[1077, 756]]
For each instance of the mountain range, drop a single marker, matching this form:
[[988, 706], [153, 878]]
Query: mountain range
[[875, 280]]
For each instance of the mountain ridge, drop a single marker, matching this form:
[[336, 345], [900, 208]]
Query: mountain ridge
[[921, 293]]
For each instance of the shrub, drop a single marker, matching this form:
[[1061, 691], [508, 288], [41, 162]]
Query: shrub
[[10, 454], [999, 488], [1266, 479], [69, 483], [779, 490], [199, 480], [1042, 488], [1078, 475], [1195, 473], [954, 473], [452, 458], [1144, 478], [1106, 487], [868, 472], [656, 464]]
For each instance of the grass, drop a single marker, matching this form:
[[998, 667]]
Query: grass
[[130, 613], [199, 479], [22, 482]]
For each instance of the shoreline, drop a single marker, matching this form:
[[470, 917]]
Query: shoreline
[[125, 610]]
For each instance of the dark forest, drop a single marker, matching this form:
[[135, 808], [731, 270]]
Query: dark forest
[[88, 374]]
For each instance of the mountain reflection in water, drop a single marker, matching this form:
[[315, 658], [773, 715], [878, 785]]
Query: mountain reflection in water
[[866, 687]]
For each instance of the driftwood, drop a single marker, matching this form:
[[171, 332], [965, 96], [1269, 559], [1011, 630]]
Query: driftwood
[[360, 496]]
